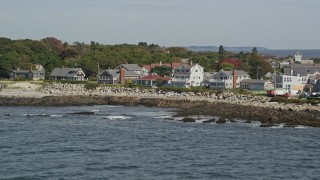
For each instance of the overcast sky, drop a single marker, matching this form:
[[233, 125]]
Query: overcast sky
[[269, 23]]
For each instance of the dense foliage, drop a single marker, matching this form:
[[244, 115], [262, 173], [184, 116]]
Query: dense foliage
[[162, 70], [51, 52]]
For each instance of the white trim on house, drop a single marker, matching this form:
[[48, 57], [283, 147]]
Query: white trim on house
[[188, 76]]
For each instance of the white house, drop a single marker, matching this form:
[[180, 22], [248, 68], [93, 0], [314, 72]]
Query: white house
[[188, 75], [298, 57], [287, 82], [302, 70], [226, 79]]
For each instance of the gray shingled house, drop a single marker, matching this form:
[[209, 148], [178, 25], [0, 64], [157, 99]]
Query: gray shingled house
[[109, 76], [256, 84], [131, 70], [36, 74], [301, 69], [68, 74]]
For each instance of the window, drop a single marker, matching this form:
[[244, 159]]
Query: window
[[196, 70]]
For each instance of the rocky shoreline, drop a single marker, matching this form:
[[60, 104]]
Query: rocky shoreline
[[226, 106]]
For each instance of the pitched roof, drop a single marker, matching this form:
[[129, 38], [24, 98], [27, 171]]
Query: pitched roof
[[302, 69], [131, 67], [66, 72], [147, 67], [111, 72], [131, 73]]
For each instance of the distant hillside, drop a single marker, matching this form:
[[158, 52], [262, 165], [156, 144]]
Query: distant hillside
[[306, 53]]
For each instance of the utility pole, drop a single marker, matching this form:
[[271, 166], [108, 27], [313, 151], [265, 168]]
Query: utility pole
[[258, 67], [275, 78]]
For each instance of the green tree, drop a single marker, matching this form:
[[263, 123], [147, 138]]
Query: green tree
[[254, 50], [221, 50], [5, 68], [226, 66], [162, 70]]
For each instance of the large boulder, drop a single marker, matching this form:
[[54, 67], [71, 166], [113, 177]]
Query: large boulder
[[221, 121]]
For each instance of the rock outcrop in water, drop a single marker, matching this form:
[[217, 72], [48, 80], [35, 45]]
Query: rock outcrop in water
[[265, 115]]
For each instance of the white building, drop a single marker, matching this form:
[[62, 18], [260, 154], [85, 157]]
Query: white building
[[287, 82], [188, 75], [298, 57]]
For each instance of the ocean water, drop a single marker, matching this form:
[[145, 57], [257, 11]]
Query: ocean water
[[119, 142]]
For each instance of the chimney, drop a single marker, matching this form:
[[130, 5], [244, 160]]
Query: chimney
[[234, 81], [122, 75], [160, 63], [191, 62]]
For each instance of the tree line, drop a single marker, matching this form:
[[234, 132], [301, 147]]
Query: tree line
[[51, 52]]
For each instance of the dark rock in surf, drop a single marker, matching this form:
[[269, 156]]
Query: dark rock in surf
[[221, 121], [210, 121], [188, 120]]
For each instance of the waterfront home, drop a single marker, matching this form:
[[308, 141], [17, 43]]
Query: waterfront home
[[287, 82], [314, 81], [130, 71], [68, 74], [256, 84], [151, 80], [109, 76], [302, 70], [187, 75], [226, 79], [33, 74]]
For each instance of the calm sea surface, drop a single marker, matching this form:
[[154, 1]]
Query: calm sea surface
[[141, 143]]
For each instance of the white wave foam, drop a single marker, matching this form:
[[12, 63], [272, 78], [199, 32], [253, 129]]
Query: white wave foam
[[55, 115], [111, 106], [95, 110], [254, 124], [41, 115], [117, 117], [163, 117], [302, 127]]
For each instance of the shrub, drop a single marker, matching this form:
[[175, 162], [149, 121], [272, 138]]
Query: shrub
[[90, 86]]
